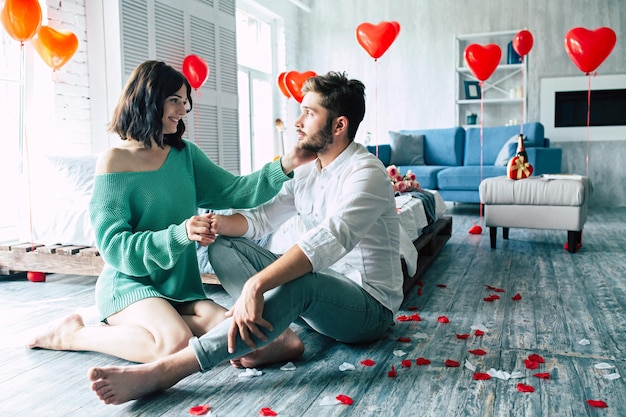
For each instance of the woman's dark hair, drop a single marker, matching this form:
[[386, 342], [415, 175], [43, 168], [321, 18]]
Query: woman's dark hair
[[139, 112], [340, 96]]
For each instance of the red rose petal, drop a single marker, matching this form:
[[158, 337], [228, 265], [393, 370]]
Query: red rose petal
[[392, 373], [420, 283], [442, 285], [415, 317], [478, 352], [266, 411], [498, 290], [443, 319], [345, 399], [412, 308], [597, 403], [481, 376], [451, 363], [531, 364], [479, 333], [463, 336], [403, 318], [199, 410], [536, 358], [525, 388], [404, 339], [516, 297], [368, 362], [543, 375], [407, 363], [491, 287], [422, 361], [419, 291]]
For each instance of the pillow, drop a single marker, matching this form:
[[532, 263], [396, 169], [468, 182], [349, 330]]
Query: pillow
[[406, 149], [507, 151]]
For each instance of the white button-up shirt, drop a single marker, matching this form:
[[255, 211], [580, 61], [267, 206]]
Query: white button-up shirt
[[349, 212]]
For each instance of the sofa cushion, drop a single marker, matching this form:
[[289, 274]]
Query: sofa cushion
[[406, 148], [494, 139], [507, 151], [383, 151], [467, 177], [426, 174], [442, 146]]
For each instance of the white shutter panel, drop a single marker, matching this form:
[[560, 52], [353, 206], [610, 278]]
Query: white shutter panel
[[169, 30]]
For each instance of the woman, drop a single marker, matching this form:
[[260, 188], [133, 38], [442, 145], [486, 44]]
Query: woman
[[146, 193]]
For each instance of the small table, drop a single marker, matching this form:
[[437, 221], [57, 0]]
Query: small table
[[556, 201]]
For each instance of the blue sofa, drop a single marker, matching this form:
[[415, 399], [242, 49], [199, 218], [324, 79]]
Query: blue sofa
[[452, 157]]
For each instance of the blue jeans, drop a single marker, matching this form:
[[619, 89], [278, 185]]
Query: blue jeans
[[330, 304]]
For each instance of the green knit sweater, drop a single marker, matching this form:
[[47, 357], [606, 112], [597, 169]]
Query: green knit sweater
[[139, 220]]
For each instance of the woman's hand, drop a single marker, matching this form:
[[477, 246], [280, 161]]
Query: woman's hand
[[199, 229], [296, 157]]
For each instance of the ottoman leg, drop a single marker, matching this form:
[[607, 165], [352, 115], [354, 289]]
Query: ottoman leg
[[505, 233], [492, 236], [573, 239]]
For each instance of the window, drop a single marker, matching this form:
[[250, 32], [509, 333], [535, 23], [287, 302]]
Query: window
[[11, 120], [255, 59]]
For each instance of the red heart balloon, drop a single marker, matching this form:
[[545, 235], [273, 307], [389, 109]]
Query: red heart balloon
[[282, 86], [589, 48], [21, 18], [196, 70], [523, 42], [55, 47], [376, 39], [482, 60], [294, 81]]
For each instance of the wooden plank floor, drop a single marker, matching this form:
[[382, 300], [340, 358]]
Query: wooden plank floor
[[565, 298]]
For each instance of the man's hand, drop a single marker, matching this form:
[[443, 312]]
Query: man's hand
[[247, 314], [199, 229], [296, 157]]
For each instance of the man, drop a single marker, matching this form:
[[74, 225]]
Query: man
[[343, 278]]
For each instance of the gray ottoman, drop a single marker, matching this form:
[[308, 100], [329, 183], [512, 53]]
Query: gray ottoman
[[545, 202]]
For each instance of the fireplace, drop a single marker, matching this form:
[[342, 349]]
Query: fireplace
[[564, 108]]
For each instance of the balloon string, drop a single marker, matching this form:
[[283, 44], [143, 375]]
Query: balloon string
[[482, 97], [29, 191], [376, 105], [588, 123], [521, 105]]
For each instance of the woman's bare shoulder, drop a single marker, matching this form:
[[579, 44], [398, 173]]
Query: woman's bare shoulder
[[114, 160]]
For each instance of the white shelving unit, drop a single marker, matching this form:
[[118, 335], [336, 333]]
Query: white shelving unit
[[504, 93]]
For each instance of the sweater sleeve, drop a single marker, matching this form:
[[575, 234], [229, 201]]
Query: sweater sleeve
[[218, 188], [133, 253]]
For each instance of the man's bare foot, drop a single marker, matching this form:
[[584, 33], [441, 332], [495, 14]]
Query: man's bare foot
[[58, 335], [286, 347], [117, 385]]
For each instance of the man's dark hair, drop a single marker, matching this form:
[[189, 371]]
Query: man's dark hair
[[139, 112], [340, 96]]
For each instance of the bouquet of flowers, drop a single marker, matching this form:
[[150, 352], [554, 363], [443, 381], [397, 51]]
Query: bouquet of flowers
[[400, 183]]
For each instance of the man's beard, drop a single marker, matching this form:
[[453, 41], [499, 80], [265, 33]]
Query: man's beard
[[318, 141]]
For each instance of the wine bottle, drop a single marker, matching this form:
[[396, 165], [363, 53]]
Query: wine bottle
[[521, 151]]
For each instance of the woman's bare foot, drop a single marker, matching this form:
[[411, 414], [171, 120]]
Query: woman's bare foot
[[117, 385], [286, 347], [58, 336]]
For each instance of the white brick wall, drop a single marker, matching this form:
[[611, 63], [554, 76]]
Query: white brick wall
[[57, 116]]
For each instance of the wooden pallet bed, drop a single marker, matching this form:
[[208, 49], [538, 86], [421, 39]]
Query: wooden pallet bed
[[84, 260]]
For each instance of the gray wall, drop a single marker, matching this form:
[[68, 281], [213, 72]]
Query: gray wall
[[413, 84]]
